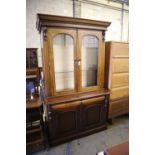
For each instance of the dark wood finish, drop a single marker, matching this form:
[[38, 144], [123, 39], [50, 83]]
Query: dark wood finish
[[34, 125], [35, 103], [93, 112], [31, 58], [70, 120], [32, 71], [34, 122], [80, 112], [64, 119]]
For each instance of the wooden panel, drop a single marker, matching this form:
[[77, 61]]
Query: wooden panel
[[120, 65], [76, 96], [65, 106], [120, 79], [120, 92], [93, 113], [115, 109], [118, 107], [64, 119], [93, 100], [126, 106], [120, 50]]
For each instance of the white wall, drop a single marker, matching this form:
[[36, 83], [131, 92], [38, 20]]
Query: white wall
[[91, 10], [55, 7]]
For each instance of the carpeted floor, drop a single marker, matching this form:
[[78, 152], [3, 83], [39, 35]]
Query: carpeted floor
[[90, 145]]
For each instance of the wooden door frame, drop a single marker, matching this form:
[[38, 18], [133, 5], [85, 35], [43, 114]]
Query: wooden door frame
[[101, 55], [52, 32]]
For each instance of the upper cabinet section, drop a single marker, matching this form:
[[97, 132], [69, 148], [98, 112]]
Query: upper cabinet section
[[73, 54]]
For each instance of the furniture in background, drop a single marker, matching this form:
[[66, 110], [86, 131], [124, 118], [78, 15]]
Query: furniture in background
[[120, 149], [34, 124], [117, 56], [75, 94], [34, 110], [31, 58]]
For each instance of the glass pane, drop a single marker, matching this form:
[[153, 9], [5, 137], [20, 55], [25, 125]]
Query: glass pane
[[89, 56], [63, 48]]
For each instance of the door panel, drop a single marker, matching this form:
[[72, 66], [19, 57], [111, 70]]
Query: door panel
[[93, 112], [64, 119]]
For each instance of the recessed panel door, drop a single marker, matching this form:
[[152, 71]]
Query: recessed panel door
[[64, 119], [93, 112]]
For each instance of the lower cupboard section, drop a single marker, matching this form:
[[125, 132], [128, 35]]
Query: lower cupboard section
[[72, 120]]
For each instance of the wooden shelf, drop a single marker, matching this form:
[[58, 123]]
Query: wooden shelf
[[35, 103], [33, 130], [39, 141]]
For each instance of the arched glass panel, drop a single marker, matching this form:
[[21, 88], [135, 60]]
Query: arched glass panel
[[63, 50], [89, 58]]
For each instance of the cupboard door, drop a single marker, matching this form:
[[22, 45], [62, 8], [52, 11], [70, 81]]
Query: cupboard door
[[64, 119], [62, 56], [93, 112], [90, 60]]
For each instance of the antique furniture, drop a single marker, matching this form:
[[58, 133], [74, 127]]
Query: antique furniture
[[117, 56], [32, 71], [75, 97], [31, 58], [34, 122]]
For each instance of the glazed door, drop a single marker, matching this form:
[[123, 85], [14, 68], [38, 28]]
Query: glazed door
[[62, 60], [90, 60]]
